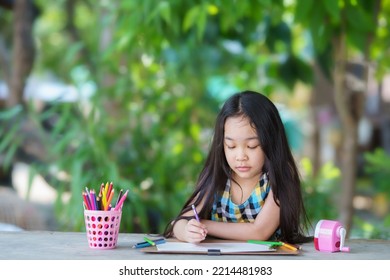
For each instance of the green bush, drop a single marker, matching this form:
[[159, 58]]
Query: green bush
[[378, 167], [319, 190]]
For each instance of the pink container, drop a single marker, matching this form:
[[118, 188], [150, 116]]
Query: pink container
[[102, 228]]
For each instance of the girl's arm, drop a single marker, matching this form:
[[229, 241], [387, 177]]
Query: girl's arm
[[265, 224]]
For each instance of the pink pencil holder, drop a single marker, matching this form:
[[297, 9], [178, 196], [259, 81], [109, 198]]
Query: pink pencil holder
[[102, 228]]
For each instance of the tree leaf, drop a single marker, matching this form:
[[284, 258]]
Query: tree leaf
[[333, 8], [302, 10], [191, 18], [359, 19]]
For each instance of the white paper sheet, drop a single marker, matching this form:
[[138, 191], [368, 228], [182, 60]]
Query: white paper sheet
[[204, 247]]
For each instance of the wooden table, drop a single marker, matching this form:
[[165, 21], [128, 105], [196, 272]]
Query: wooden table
[[46, 245], [66, 255]]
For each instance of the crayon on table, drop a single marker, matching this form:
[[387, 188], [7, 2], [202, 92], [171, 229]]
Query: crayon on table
[[271, 243], [274, 243], [147, 244], [289, 246], [149, 241]]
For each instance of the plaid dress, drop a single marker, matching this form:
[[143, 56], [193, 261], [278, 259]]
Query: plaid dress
[[225, 210]]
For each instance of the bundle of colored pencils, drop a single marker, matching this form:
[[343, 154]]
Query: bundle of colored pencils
[[103, 199]]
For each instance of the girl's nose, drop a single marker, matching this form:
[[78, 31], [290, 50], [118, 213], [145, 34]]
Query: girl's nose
[[241, 156]]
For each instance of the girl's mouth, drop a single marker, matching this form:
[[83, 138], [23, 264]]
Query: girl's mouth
[[243, 168]]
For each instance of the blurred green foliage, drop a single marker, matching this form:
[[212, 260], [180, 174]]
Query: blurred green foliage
[[378, 168], [320, 190], [148, 125]]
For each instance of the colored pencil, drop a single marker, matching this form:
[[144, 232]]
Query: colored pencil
[[151, 242], [195, 212], [119, 196], [109, 199], [289, 246], [103, 199], [120, 203], [147, 244]]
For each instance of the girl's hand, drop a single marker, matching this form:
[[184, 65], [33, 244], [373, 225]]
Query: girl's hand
[[195, 231]]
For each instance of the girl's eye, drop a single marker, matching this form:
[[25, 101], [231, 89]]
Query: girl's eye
[[252, 147], [230, 147]]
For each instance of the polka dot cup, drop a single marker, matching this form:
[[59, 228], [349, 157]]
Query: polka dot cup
[[102, 228]]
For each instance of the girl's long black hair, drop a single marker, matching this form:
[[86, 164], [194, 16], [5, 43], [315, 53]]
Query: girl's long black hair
[[279, 164]]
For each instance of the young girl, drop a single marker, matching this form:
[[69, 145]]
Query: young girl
[[249, 187]]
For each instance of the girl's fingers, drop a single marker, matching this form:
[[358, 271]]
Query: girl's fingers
[[196, 223], [196, 231], [198, 227]]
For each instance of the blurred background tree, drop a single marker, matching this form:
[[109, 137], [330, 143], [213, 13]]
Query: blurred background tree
[[141, 83]]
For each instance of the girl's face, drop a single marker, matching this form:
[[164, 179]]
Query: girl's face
[[242, 150]]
